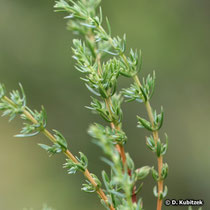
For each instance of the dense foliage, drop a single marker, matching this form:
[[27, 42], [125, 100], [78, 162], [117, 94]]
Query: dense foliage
[[102, 59]]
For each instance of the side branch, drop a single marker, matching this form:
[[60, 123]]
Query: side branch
[[156, 138], [67, 153]]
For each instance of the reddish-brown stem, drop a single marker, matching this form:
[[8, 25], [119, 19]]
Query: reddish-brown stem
[[156, 138], [159, 159], [134, 197], [121, 150], [119, 147], [108, 103]]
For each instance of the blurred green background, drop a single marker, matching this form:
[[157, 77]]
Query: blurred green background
[[35, 49]]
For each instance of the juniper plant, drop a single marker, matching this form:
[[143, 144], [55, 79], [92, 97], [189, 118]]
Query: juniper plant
[[102, 59]]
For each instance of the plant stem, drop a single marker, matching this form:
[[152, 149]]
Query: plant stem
[[120, 148], [155, 133], [67, 153], [156, 138], [108, 101]]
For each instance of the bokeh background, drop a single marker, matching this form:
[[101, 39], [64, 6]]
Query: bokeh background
[[35, 49]]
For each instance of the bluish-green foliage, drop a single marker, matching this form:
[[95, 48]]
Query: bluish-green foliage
[[102, 59]]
